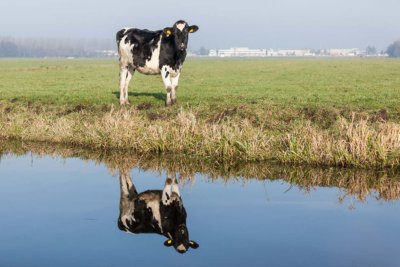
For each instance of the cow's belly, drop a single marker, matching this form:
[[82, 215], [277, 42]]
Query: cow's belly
[[148, 69], [152, 65]]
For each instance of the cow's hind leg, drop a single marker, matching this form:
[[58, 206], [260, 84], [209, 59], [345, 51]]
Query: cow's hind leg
[[123, 73], [129, 76], [126, 203], [175, 186], [127, 187], [125, 76], [171, 186]]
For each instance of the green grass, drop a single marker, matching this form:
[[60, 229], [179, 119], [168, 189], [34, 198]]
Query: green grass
[[357, 84]]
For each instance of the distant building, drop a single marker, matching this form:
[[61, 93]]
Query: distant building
[[290, 53], [106, 53], [238, 52], [347, 52], [212, 53], [247, 52], [191, 54]]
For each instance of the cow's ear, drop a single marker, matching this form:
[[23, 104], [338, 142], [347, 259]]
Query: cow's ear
[[193, 28], [168, 31], [168, 243], [193, 244]]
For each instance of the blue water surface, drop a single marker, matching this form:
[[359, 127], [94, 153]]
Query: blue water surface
[[63, 212]]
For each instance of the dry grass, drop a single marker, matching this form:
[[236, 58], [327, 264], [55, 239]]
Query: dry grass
[[354, 142], [347, 143]]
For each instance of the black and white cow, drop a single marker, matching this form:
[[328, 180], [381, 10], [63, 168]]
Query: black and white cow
[[153, 52], [155, 211]]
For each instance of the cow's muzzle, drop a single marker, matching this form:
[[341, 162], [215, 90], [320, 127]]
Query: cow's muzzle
[[182, 47]]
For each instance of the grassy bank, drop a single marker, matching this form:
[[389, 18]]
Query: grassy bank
[[320, 112]]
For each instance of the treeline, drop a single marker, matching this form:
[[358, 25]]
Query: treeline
[[52, 47], [394, 49], [58, 47]]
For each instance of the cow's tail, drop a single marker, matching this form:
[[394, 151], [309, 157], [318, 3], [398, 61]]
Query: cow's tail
[[119, 36]]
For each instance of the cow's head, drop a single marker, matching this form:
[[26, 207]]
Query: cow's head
[[180, 31], [181, 240]]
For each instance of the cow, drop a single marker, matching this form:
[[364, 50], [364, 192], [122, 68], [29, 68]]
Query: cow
[[153, 52], [155, 211]]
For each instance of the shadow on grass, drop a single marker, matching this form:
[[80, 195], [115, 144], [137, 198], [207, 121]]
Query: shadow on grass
[[160, 96]]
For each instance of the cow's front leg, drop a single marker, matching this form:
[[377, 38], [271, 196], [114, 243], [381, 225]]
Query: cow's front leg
[[166, 77], [174, 81]]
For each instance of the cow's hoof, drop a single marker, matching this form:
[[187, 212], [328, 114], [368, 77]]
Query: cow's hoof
[[173, 101], [168, 103]]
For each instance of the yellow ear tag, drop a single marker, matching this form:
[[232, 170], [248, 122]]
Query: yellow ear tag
[[168, 32], [169, 242], [191, 30]]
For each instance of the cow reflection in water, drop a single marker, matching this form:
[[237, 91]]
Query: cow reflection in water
[[155, 211]]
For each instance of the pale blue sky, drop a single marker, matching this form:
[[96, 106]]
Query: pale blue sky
[[223, 23]]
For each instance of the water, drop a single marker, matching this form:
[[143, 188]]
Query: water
[[63, 211]]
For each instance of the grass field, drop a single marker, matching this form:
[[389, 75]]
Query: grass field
[[359, 84], [320, 111]]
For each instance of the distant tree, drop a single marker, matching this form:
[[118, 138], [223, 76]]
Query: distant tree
[[394, 49], [203, 51], [370, 50], [54, 47], [8, 49]]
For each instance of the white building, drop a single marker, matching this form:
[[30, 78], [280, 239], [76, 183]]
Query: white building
[[107, 53], [347, 52], [290, 53], [212, 53], [247, 52], [238, 52]]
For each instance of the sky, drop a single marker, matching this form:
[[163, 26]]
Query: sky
[[223, 23]]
